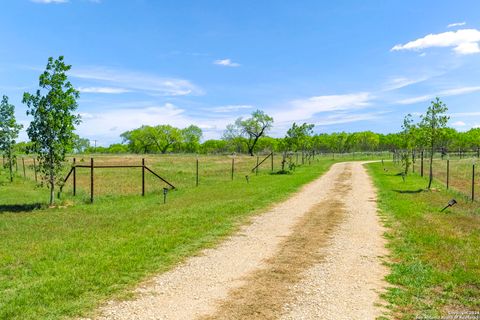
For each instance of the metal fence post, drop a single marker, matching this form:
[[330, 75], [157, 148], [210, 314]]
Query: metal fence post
[[196, 178], [233, 166], [256, 168], [35, 169], [421, 166], [23, 165], [74, 177], [448, 173], [272, 161], [91, 180], [473, 182], [143, 177]]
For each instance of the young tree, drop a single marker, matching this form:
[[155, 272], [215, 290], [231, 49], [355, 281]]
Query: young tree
[[432, 124], [408, 140], [9, 130], [51, 130], [252, 129]]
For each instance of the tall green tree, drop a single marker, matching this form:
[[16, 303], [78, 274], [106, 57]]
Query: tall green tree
[[252, 129], [9, 129], [432, 124], [53, 109]]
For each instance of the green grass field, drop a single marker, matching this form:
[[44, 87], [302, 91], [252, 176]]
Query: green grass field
[[65, 261], [435, 260]]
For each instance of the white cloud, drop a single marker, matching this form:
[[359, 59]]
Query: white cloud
[[137, 81], [464, 41], [456, 24], [304, 109], [459, 124], [443, 93], [106, 90], [467, 48], [226, 63], [230, 108], [49, 1], [347, 118], [401, 82]]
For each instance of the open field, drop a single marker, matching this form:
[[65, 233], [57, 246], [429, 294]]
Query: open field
[[435, 266], [178, 169], [64, 261]]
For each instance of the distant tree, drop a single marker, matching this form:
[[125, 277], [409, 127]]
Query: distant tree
[[341, 141], [431, 125], [80, 145], [473, 136], [52, 128], [139, 140], [367, 140], [234, 135], [213, 146], [252, 129], [190, 137], [165, 137], [9, 129]]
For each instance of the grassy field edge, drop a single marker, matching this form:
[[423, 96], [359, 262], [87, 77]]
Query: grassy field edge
[[434, 262]]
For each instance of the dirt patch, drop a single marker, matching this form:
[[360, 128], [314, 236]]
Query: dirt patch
[[268, 289]]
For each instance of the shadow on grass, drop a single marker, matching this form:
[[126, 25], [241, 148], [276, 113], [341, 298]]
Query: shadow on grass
[[19, 207], [409, 191]]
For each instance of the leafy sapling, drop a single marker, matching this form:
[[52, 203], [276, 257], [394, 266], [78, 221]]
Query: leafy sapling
[[51, 131]]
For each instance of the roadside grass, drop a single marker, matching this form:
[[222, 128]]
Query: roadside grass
[[435, 259], [65, 261]]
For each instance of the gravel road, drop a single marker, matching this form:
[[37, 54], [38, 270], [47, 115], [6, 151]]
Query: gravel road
[[316, 255]]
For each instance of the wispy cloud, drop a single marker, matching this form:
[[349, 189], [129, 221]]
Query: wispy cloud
[[49, 1], [456, 24], [348, 118], [401, 82], [137, 81], [464, 41], [106, 90], [443, 93], [305, 109], [230, 108], [226, 63]]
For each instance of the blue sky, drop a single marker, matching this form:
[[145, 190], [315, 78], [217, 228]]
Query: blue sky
[[342, 65]]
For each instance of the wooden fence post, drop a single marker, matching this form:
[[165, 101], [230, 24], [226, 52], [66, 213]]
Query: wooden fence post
[[23, 165], [233, 166], [35, 169], [91, 180], [448, 173], [143, 177], [256, 169], [196, 180], [74, 177]]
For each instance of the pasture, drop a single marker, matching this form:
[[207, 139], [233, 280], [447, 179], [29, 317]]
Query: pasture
[[64, 261]]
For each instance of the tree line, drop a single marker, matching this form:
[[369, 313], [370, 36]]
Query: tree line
[[52, 133]]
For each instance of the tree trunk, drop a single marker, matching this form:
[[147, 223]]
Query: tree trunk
[[51, 180], [430, 178], [10, 163]]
